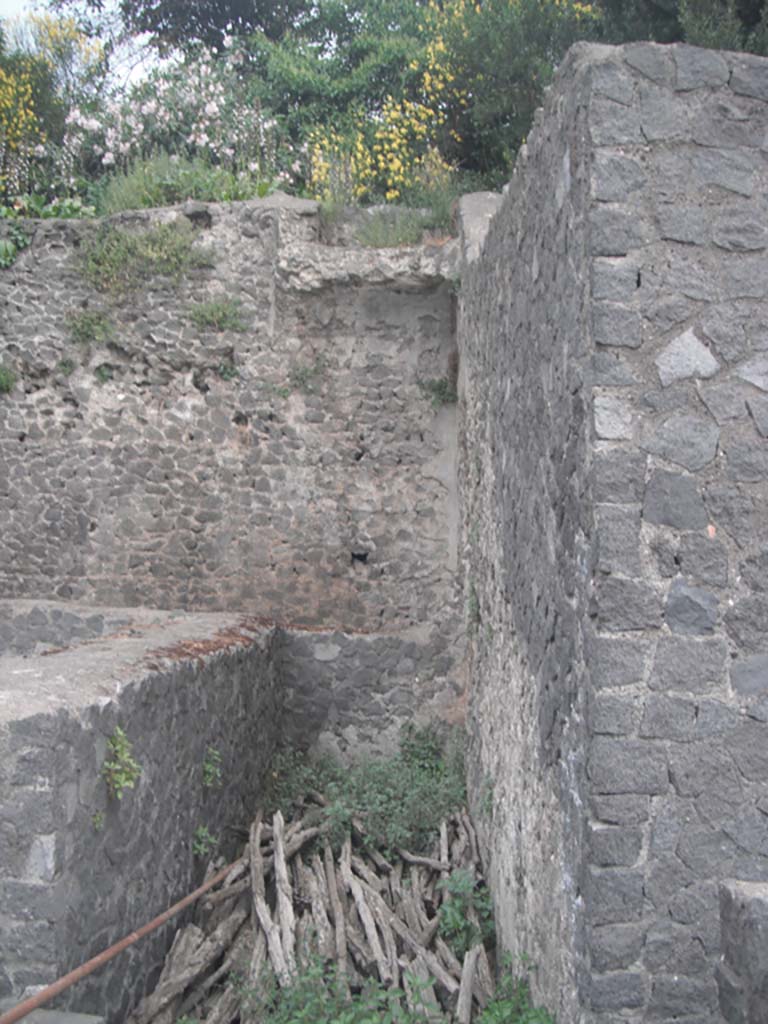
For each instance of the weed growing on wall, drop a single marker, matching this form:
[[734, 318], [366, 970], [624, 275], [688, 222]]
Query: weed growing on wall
[[212, 776], [440, 391], [65, 367], [104, 373], [221, 314], [203, 842], [386, 229], [513, 1003], [117, 261], [7, 380], [304, 377], [228, 371], [121, 771], [401, 800], [89, 327], [11, 244]]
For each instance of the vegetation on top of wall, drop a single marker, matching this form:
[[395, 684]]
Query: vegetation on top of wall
[[11, 245], [440, 391], [117, 260]]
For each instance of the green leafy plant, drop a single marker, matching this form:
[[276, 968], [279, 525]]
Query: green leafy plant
[[61, 207], [89, 326], [212, 777], [317, 996], [121, 771], [441, 391], [7, 379], [203, 842], [513, 1003], [304, 377], [164, 179], [473, 609], [218, 314], [104, 373], [387, 229], [466, 914], [66, 367], [97, 821], [11, 245], [117, 261], [228, 371], [400, 800]]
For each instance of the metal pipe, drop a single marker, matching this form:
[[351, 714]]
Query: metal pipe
[[55, 989]]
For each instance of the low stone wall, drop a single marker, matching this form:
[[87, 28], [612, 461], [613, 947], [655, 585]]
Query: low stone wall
[[615, 480], [743, 971], [80, 869]]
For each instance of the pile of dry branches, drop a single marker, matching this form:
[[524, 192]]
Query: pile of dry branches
[[287, 904]]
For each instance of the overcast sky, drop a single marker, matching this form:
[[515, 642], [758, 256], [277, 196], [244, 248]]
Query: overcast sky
[[9, 8]]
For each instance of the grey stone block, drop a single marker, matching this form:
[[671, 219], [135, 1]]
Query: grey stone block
[[613, 417], [749, 676], [625, 605], [609, 369], [703, 559], [684, 357], [615, 176], [614, 847], [697, 69], [669, 718], [618, 538], [652, 61], [678, 222], [687, 664], [617, 229], [619, 475], [627, 766], [745, 623], [616, 946], [749, 76], [758, 407], [685, 439], [620, 990], [614, 895], [614, 716], [624, 809], [725, 401], [700, 767], [616, 325], [672, 499], [690, 609], [674, 995], [740, 230]]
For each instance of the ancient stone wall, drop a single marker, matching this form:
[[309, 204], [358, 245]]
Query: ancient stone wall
[[614, 478], [80, 868]]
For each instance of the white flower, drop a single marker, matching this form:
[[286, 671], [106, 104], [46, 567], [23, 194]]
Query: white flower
[[211, 108], [150, 107], [174, 158], [39, 150], [108, 159]]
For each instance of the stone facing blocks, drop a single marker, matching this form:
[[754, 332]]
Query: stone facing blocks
[[674, 662]]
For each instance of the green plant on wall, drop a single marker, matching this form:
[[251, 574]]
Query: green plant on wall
[[7, 379], [218, 315], [11, 245], [304, 376], [121, 771], [89, 326], [97, 821], [117, 261], [440, 391], [203, 842], [212, 776], [104, 373], [228, 371]]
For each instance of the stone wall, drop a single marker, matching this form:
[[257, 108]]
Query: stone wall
[[614, 469], [294, 469], [80, 869], [742, 974]]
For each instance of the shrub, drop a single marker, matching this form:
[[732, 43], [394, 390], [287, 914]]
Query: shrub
[[466, 914], [441, 391], [401, 800], [89, 327], [165, 179], [121, 771], [7, 379], [218, 314], [117, 260]]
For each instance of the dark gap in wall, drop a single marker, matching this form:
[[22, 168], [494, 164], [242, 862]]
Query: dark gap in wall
[[359, 556]]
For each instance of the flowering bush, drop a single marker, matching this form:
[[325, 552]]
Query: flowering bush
[[21, 137]]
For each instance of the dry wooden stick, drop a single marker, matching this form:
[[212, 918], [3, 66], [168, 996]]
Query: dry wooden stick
[[285, 913], [261, 909], [355, 889], [337, 912], [426, 862]]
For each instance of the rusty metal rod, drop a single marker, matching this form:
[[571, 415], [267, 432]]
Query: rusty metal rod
[[51, 991]]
